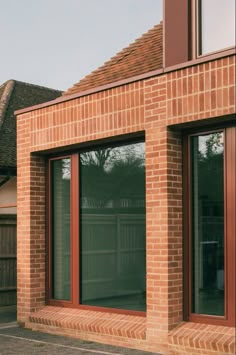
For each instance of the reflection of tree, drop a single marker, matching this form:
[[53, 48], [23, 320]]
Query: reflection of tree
[[214, 144], [100, 158], [210, 145], [210, 161], [111, 175], [128, 179]]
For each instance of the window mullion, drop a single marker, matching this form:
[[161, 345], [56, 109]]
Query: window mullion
[[75, 228], [230, 214]]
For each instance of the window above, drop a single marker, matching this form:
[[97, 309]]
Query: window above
[[216, 25], [197, 28]]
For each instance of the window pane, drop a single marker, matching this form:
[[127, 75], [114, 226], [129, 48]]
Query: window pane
[[208, 224], [60, 187], [112, 231], [217, 25]]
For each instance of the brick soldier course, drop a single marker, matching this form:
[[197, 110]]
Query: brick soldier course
[[17, 340]]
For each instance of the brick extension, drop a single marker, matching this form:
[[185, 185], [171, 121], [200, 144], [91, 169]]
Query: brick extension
[[154, 105]]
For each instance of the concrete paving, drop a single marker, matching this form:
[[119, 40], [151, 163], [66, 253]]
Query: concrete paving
[[17, 340]]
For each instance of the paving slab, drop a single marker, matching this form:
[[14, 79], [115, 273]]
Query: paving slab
[[17, 340]]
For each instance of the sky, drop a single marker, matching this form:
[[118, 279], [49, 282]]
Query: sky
[[55, 43]]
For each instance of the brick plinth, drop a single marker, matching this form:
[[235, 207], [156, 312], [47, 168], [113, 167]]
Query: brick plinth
[[93, 322], [194, 338]]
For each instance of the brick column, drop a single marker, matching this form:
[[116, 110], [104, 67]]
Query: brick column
[[164, 216], [30, 224], [37, 231], [164, 232]]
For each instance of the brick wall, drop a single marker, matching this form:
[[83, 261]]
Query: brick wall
[[202, 92]]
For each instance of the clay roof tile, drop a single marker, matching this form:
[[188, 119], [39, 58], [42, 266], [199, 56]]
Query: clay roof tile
[[140, 57], [16, 95]]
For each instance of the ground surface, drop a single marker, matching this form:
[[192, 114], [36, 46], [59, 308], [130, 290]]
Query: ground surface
[[17, 340]]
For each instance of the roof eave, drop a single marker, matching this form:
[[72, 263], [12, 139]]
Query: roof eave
[[90, 91], [5, 98]]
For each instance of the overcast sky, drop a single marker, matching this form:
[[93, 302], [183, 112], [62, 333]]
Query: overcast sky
[[55, 43]]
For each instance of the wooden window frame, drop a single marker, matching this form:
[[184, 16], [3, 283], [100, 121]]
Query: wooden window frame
[[49, 232], [182, 37], [196, 44], [74, 234], [229, 229]]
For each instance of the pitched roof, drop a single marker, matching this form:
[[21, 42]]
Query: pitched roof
[[140, 57], [16, 95]]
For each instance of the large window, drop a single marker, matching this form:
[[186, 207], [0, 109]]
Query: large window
[[210, 225], [97, 234], [216, 25]]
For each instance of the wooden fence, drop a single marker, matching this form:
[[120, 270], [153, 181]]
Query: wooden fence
[[113, 260], [7, 260]]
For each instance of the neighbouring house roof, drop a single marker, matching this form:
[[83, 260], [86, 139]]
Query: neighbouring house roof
[[140, 57], [15, 95]]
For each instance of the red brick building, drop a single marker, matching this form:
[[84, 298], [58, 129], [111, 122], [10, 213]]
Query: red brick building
[[126, 195]]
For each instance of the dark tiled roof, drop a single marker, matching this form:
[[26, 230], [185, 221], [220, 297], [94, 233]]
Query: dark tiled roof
[[140, 57], [16, 95]]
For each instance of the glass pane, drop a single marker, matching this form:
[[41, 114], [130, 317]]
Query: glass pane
[[207, 154], [112, 231], [217, 25], [60, 187]]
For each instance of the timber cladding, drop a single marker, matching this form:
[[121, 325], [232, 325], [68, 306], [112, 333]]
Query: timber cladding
[[195, 94], [7, 260]]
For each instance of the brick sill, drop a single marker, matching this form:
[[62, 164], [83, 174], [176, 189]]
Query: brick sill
[[218, 339], [93, 322]]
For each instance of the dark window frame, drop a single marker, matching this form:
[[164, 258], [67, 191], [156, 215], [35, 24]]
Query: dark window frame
[[181, 36], [49, 231], [196, 9], [229, 229], [74, 231]]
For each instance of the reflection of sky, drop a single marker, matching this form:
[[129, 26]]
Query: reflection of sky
[[218, 24], [66, 169], [202, 144]]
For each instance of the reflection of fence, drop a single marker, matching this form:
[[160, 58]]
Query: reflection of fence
[[113, 260], [212, 229], [7, 260], [211, 245]]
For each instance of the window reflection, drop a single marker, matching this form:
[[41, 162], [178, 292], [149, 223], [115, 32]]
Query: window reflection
[[60, 170], [112, 240], [208, 224]]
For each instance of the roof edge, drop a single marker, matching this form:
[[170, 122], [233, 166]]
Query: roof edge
[[204, 59], [107, 67], [36, 85], [94, 90], [5, 98]]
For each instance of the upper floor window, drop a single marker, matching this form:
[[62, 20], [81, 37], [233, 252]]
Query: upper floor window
[[195, 28], [216, 25]]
